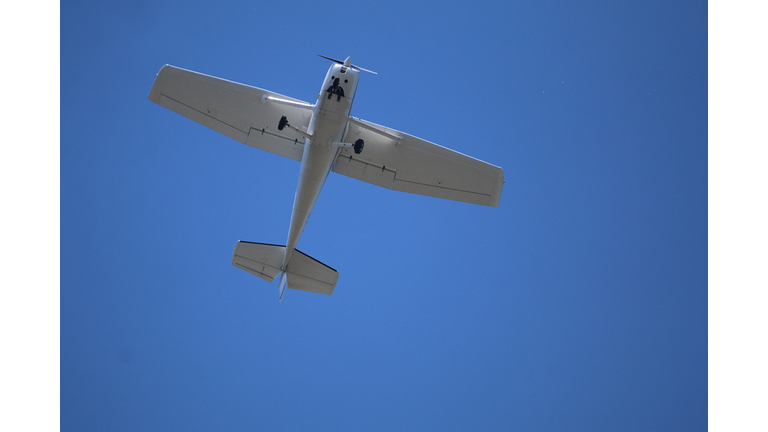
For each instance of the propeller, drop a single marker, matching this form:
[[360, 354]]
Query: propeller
[[347, 63]]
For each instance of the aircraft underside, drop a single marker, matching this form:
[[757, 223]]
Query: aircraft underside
[[324, 138]]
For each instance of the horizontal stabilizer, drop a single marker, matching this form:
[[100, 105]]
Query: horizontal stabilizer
[[308, 274], [259, 259], [303, 272]]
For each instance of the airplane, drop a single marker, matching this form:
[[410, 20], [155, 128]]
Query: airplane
[[324, 138]]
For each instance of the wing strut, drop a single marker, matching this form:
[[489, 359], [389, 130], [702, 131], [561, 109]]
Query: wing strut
[[284, 122]]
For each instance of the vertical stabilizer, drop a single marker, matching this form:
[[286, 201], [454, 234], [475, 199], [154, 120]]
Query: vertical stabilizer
[[283, 284]]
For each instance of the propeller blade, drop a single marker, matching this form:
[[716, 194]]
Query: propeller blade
[[331, 59], [366, 70], [352, 66]]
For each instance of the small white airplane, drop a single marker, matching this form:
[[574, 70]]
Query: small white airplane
[[324, 138]]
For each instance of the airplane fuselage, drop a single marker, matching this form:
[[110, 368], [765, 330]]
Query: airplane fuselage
[[326, 128]]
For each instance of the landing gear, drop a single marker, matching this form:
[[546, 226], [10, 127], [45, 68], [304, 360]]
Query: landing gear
[[359, 146], [283, 123]]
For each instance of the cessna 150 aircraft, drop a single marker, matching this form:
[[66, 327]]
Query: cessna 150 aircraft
[[324, 138]]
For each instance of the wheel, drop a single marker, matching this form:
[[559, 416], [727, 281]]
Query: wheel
[[283, 122], [359, 146]]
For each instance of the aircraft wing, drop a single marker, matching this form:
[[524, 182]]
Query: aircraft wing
[[398, 161], [247, 114]]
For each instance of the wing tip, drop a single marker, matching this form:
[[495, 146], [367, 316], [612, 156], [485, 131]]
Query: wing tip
[[154, 92]]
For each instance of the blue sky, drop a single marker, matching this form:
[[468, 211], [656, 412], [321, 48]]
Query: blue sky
[[579, 304]]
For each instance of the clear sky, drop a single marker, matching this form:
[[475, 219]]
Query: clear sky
[[579, 304]]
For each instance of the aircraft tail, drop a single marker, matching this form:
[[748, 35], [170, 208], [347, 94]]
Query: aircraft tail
[[302, 272]]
